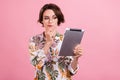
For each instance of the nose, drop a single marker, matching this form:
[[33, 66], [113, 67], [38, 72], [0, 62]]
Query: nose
[[51, 20]]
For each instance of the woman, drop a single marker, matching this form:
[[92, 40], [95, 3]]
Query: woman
[[44, 48]]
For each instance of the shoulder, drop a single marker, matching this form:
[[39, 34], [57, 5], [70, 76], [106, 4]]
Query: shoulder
[[37, 38]]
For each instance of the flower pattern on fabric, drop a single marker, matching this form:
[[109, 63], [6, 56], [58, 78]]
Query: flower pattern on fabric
[[50, 66]]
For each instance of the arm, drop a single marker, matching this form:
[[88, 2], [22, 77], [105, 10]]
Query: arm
[[37, 55], [74, 64]]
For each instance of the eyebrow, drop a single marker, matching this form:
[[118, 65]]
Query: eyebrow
[[48, 16], [45, 16]]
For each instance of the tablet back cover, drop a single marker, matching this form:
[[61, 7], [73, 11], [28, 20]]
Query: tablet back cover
[[72, 37]]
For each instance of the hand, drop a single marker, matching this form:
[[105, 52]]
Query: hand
[[50, 35], [77, 51]]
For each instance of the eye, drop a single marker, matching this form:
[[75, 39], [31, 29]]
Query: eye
[[46, 18], [54, 17]]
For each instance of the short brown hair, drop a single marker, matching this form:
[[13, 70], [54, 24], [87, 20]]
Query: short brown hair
[[56, 10]]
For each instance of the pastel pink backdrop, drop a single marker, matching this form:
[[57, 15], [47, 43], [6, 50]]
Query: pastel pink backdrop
[[101, 42]]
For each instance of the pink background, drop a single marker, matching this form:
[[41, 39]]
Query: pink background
[[101, 42]]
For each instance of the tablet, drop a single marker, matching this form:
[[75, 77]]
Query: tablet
[[72, 37]]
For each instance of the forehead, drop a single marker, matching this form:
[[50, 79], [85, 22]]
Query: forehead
[[48, 12]]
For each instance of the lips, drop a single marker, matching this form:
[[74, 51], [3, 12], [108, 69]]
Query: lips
[[50, 25]]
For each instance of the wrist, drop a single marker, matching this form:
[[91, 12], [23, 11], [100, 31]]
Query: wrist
[[46, 47], [75, 58]]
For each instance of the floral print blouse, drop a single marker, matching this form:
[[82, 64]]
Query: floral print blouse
[[50, 66]]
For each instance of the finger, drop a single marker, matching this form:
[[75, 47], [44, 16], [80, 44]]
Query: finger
[[75, 50], [78, 55], [77, 46], [79, 50], [52, 34]]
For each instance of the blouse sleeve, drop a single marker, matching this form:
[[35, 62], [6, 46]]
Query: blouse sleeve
[[37, 56]]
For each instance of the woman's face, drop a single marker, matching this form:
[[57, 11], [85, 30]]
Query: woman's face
[[50, 20]]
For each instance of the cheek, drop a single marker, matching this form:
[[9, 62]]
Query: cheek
[[56, 22], [44, 24]]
